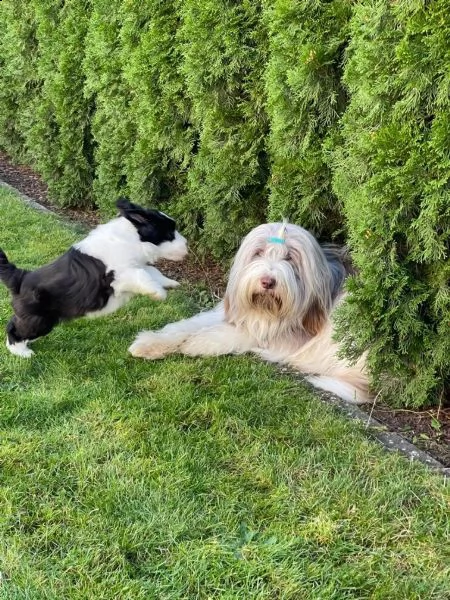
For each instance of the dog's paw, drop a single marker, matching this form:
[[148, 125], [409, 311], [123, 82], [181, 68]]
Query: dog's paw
[[147, 345], [159, 294], [267, 355], [171, 284], [20, 349]]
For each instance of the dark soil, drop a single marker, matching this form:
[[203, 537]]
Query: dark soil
[[26, 181], [427, 429]]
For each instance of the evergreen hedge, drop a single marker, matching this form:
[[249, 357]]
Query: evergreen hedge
[[19, 83], [106, 89], [157, 164], [44, 119], [225, 113], [305, 99], [224, 51], [392, 174], [59, 136]]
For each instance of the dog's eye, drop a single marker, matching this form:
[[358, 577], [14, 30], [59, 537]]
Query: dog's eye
[[258, 253], [288, 257]]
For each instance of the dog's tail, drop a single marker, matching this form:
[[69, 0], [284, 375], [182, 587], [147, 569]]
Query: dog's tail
[[10, 274]]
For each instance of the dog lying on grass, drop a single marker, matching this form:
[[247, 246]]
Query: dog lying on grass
[[280, 298], [96, 276]]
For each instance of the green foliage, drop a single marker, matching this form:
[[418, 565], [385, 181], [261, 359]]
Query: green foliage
[[156, 164], [392, 175], [112, 128], [58, 137], [18, 77], [224, 52], [305, 98]]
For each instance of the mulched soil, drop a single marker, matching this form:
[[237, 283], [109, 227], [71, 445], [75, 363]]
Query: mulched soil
[[26, 181], [427, 429]]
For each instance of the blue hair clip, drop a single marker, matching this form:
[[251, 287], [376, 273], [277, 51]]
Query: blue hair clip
[[275, 240]]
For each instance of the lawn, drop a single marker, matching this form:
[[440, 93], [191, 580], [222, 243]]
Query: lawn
[[187, 478]]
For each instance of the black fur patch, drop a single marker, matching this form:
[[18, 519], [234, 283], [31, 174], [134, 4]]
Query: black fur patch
[[152, 226], [71, 286]]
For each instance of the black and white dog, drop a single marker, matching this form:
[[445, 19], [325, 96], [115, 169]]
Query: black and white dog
[[95, 276]]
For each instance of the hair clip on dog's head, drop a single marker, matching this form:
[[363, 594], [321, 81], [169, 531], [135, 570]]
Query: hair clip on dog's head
[[280, 238]]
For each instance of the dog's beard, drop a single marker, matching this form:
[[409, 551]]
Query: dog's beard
[[267, 301], [282, 301], [267, 314]]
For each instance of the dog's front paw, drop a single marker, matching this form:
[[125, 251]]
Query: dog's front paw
[[148, 345], [20, 349], [268, 355]]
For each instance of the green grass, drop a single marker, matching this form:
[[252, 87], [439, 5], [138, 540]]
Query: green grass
[[192, 478]]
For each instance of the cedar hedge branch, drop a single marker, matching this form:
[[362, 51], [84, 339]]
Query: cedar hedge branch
[[392, 174], [305, 99]]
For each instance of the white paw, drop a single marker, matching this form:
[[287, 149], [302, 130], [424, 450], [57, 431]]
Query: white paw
[[146, 345], [20, 349], [268, 356], [159, 294]]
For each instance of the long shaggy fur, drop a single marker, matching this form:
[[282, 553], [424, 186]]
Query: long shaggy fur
[[279, 301]]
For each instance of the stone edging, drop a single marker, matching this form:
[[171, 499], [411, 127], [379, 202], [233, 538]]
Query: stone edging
[[391, 441], [25, 198]]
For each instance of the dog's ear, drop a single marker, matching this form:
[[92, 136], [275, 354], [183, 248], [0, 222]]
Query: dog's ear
[[134, 213], [226, 304], [314, 319], [227, 309], [123, 204]]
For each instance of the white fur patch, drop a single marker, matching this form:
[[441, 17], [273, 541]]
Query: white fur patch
[[20, 349], [118, 246], [341, 388]]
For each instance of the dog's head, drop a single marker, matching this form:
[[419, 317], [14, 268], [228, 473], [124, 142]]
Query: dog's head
[[281, 272], [156, 229]]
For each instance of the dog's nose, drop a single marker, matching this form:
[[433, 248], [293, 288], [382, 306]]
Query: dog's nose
[[268, 283]]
